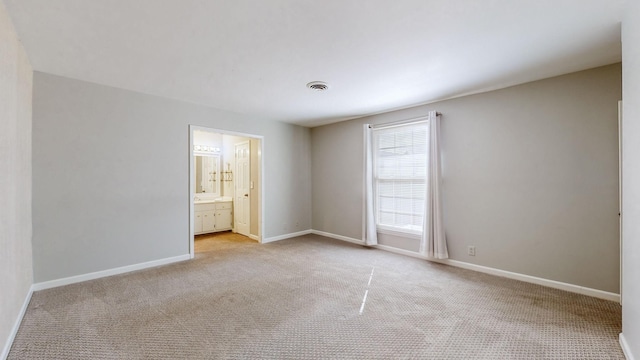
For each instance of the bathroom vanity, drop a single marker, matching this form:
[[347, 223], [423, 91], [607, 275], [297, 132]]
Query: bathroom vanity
[[212, 216], [211, 212]]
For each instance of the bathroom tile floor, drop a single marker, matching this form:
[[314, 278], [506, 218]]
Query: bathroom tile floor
[[209, 242]]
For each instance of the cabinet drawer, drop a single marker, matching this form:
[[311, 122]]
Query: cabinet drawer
[[223, 206], [204, 207]]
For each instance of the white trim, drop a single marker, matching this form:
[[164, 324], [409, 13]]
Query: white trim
[[253, 237], [262, 180], [16, 325], [286, 236], [626, 350], [488, 270], [192, 193], [620, 189], [338, 237], [104, 273]]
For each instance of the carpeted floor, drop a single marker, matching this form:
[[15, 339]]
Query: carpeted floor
[[302, 298]]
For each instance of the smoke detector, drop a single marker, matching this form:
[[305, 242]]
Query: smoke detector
[[318, 85]]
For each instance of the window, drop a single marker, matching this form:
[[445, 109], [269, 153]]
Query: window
[[400, 156]]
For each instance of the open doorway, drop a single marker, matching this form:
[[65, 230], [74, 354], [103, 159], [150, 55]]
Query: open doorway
[[225, 186]]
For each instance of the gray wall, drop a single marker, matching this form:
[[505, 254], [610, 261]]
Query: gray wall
[[110, 172], [16, 272], [631, 179], [530, 177]]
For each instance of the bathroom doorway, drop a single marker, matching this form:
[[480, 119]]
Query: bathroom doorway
[[225, 185]]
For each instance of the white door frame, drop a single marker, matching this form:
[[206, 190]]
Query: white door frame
[[191, 192]]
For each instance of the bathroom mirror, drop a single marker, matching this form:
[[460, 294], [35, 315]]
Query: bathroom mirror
[[207, 177]]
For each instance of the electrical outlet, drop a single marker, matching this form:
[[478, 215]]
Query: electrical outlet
[[471, 250]]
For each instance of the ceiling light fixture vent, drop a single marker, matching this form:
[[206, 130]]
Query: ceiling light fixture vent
[[318, 86]]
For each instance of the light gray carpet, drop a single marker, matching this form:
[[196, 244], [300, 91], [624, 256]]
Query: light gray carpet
[[300, 299]]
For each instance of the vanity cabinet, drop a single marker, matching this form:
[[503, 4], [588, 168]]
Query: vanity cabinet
[[212, 216], [223, 216]]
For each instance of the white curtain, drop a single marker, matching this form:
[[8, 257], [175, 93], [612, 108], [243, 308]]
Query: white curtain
[[433, 241], [370, 231]]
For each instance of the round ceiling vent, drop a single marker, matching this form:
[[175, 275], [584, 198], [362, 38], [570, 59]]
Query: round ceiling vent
[[318, 86]]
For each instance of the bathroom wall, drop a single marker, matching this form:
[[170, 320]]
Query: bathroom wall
[[207, 138]]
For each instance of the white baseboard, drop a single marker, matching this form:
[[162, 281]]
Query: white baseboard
[[625, 348], [104, 273], [488, 270], [534, 280], [16, 325], [286, 236], [338, 237]]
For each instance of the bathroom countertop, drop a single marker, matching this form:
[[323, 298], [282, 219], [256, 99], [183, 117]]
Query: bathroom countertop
[[209, 201]]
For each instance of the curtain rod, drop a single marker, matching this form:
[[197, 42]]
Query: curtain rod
[[403, 122]]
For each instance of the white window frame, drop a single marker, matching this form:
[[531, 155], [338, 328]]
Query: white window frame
[[389, 229]]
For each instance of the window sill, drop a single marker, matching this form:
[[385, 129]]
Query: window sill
[[408, 235]]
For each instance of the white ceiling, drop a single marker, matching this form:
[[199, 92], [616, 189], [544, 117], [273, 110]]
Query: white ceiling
[[256, 56]]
